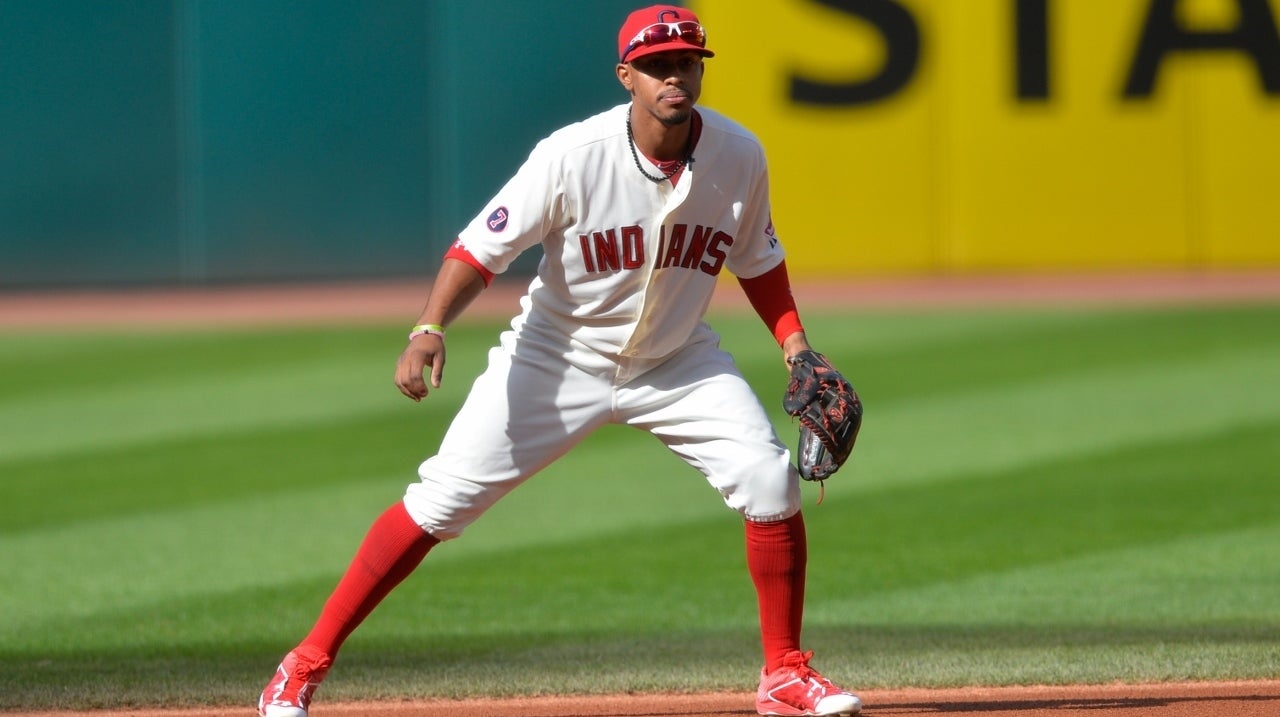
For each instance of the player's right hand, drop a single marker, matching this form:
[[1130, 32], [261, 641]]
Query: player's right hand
[[423, 352]]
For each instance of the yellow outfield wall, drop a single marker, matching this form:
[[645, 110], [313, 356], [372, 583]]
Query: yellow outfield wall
[[992, 135]]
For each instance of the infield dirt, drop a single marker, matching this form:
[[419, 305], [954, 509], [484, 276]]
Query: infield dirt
[[1221, 699]]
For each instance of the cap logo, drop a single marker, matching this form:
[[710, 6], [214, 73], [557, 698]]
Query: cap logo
[[661, 28]]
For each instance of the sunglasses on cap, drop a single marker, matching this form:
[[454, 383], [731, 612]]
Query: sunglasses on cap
[[663, 32]]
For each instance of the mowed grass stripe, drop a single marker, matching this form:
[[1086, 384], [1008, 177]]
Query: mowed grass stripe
[[1147, 493], [1111, 405], [1022, 424], [153, 411], [927, 438], [199, 385], [158, 387], [915, 536], [279, 537], [84, 361], [236, 466], [1199, 581], [996, 349]]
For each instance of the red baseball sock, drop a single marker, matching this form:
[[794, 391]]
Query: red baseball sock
[[776, 557], [393, 547]]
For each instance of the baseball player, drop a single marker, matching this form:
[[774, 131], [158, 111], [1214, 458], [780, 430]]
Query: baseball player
[[638, 210]]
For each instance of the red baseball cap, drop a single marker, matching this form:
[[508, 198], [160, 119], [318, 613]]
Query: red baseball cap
[[661, 28]]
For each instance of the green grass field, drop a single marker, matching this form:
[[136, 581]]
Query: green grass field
[[1038, 496]]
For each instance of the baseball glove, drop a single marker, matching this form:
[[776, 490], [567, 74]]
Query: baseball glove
[[829, 411]]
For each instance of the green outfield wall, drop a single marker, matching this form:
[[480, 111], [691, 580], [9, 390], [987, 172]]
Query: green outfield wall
[[207, 141], [213, 141]]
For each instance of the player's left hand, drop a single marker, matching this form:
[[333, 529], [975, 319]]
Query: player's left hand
[[423, 352], [829, 411]]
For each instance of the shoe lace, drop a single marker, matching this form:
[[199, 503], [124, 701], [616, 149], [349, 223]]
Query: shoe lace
[[799, 662], [305, 668]]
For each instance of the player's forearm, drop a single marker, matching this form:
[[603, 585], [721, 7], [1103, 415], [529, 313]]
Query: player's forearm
[[770, 295], [457, 284]]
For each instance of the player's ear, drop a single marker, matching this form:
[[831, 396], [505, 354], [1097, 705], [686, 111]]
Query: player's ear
[[624, 76]]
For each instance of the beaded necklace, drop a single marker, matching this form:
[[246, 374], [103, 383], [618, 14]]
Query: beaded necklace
[[688, 155]]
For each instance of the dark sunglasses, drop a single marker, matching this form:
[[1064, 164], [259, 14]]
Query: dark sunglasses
[[664, 32]]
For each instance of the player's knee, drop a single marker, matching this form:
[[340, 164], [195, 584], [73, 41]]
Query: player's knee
[[444, 506], [766, 492]]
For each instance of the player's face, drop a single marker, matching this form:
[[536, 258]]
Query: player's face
[[667, 84]]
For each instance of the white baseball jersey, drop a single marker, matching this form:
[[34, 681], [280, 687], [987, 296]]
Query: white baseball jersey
[[611, 329], [629, 266]]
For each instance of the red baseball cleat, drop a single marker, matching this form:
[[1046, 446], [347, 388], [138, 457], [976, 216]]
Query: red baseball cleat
[[288, 694], [797, 690]]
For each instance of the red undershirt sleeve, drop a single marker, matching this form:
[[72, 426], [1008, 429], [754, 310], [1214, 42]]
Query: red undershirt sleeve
[[770, 295], [459, 252]]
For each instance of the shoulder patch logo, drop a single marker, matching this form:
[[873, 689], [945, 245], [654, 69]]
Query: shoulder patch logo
[[498, 220]]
